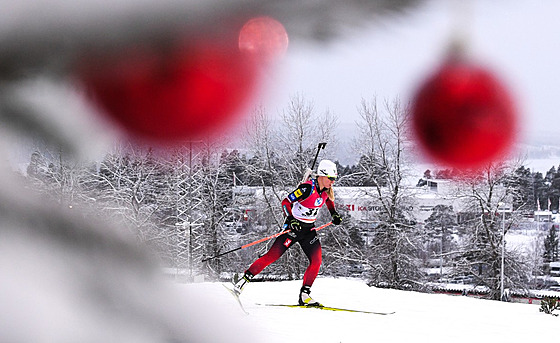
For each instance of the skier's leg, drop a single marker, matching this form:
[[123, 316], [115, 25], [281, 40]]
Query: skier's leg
[[240, 281], [312, 249], [278, 248]]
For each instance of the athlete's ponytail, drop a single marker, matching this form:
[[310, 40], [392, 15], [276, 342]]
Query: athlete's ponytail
[[330, 193]]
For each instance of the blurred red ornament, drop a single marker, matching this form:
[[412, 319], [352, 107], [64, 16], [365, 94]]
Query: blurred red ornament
[[264, 37], [463, 116], [173, 93]]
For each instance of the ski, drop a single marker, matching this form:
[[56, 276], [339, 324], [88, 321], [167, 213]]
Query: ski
[[327, 308], [236, 296]]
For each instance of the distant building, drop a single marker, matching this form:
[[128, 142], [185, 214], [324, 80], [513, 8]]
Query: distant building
[[543, 216], [362, 204]]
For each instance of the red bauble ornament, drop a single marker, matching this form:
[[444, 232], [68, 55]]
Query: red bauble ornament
[[178, 92], [264, 37], [463, 116]]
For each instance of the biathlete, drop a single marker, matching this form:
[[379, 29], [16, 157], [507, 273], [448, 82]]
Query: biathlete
[[300, 208]]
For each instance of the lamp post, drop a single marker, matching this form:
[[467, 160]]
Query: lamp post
[[501, 204], [503, 250]]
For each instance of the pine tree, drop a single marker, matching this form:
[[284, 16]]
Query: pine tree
[[551, 248], [525, 199]]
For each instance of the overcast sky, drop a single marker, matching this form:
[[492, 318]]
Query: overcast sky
[[519, 40]]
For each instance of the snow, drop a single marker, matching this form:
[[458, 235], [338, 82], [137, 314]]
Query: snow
[[419, 317]]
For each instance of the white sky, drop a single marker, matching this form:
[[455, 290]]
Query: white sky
[[518, 40]]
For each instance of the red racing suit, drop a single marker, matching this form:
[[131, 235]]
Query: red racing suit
[[303, 204]]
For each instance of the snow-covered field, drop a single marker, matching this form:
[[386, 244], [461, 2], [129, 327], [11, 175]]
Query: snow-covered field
[[419, 317]]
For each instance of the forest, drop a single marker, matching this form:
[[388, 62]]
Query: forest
[[204, 198]]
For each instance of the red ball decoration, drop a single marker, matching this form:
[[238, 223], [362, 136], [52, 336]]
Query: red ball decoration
[[172, 93], [264, 37], [463, 116]]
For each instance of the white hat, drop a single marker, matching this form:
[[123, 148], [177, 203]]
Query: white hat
[[327, 168]]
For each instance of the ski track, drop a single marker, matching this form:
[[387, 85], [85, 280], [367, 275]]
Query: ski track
[[419, 317]]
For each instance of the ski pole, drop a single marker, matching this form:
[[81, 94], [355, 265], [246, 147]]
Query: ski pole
[[259, 241]]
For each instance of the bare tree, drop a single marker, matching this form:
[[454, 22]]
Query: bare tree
[[297, 125], [263, 165], [395, 244], [300, 131], [216, 188], [129, 185], [438, 230], [486, 198], [59, 178]]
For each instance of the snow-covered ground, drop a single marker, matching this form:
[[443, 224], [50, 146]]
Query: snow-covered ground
[[419, 317]]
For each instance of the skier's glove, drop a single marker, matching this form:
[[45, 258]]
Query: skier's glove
[[293, 224], [336, 218]]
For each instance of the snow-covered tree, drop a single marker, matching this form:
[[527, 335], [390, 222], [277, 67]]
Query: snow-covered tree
[[219, 214], [395, 245], [485, 196], [439, 232], [58, 177], [298, 133], [344, 249], [130, 186]]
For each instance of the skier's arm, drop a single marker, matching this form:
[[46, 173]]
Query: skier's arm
[[302, 192], [330, 206], [337, 219]]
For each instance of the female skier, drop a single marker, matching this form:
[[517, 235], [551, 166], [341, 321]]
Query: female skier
[[301, 208]]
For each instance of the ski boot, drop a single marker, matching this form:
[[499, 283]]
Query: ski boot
[[240, 282], [305, 299]]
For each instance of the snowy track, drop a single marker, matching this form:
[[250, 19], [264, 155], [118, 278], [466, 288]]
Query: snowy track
[[420, 317]]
